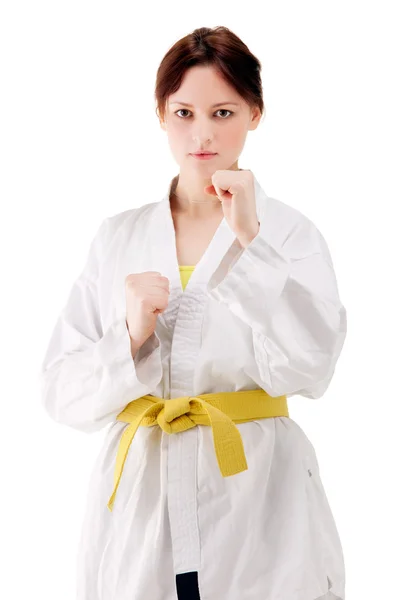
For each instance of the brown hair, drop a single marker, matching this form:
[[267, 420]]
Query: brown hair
[[218, 47]]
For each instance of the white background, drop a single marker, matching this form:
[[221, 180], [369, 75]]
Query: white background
[[80, 140]]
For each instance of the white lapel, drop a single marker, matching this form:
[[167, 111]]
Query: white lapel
[[165, 260]]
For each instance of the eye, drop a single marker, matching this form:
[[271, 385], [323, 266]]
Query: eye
[[220, 110], [181, 109], [225, 110]]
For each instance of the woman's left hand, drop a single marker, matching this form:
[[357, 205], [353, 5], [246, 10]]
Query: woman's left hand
[[235, 190]]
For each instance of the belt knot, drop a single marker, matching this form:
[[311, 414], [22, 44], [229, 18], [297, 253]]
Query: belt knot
[[174, 414]]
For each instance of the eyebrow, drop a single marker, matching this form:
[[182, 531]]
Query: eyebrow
[[214, 105]]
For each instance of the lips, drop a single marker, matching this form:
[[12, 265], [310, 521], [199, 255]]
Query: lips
[[204, 153]]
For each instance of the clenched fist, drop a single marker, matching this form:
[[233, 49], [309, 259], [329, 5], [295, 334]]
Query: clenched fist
[[147, 296]]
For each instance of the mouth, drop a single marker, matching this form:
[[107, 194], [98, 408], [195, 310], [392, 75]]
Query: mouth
[[204, 155]]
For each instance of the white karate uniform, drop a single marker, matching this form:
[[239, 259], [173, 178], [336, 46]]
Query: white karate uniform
[[267, 316]]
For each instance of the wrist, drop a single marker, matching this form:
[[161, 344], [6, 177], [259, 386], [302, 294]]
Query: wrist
[[134, 345], [245, 240]]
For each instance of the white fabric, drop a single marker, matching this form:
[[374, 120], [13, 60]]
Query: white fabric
[[268, 316]]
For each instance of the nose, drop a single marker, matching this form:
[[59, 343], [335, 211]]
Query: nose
[[202, 132]]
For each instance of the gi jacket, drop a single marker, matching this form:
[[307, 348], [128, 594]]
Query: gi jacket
[[267, 316]]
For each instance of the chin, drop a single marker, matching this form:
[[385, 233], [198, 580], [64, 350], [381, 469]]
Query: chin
[[203, 165]]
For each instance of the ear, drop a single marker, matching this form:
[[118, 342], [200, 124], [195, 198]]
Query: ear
[[255, 118], [160, 120]]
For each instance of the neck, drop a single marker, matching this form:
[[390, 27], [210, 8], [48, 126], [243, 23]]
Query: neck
[[188, 196]]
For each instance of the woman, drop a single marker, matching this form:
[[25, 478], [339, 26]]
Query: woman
[[192, 322]]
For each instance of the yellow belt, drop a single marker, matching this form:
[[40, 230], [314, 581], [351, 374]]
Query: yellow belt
[[220, 410]]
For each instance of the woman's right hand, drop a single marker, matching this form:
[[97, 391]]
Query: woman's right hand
[[147, 296]]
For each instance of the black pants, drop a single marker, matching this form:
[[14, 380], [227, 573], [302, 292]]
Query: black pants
[[187, 586]]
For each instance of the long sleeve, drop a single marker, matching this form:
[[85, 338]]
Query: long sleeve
[[88, 375], [289, 298]]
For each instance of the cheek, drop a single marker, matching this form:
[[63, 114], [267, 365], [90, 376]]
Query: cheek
[[177, 133], [234, 135]]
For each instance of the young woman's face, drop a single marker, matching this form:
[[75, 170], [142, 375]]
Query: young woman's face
[[203, 126]]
